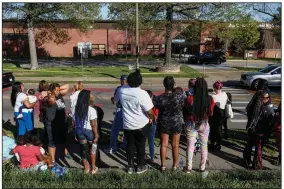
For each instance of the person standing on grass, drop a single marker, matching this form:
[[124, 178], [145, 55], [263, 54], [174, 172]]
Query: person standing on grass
[[216, 121], [152, 133], [55, 119], [199, 108], [137, 119], [260, 118], [170, 120], [18, 98], [118, 121], [86, 130]]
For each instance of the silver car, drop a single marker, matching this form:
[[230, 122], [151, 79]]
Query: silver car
[[271, 74]]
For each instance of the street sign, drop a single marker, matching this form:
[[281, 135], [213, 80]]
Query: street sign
[[275, 55], [178, 40], [83, 48], [249, 55]]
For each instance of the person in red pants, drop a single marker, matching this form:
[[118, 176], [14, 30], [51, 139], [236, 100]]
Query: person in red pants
[[277, 130], [260, 123]]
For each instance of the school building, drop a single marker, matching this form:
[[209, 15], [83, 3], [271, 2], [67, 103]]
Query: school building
[[107, 38]]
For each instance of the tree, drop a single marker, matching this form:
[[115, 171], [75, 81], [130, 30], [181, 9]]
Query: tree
[[245, 33], [80, 15], [273, 11], [151, 13]]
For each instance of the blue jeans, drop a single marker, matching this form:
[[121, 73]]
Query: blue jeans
[[151, 140], [85, 134], [116, 126], [25, 123]]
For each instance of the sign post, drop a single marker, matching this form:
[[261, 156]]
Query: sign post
[[275, 56], [246, 59]]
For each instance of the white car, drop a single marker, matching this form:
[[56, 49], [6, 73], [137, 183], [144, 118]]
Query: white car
[[271, 74]]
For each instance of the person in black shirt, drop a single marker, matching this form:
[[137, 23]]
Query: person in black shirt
[[259, 127], [55, 119]]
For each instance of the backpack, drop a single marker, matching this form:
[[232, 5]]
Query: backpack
[[188, 106]]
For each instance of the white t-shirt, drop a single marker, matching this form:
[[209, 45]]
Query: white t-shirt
[[116, 96], [73, 101], [135, 104], [92, 114], [32, 98], [19, 102], [220, 99]]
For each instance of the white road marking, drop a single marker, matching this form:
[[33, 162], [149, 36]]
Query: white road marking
[[238, 120], [240, 102], [239, 107]]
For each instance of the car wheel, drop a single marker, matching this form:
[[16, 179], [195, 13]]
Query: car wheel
[[218, 62], [254, 84]]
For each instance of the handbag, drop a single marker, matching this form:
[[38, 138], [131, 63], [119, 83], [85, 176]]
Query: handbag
[[228, 110]]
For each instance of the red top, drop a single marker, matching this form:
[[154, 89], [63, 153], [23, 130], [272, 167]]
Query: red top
[[191, 117], [27, 155], [155, 112]]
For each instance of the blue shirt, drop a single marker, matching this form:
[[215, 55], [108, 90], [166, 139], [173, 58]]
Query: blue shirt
[[8, 145]]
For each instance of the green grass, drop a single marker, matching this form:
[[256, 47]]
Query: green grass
[[238, 137], [12, 177], [94, 71], [247, 69]]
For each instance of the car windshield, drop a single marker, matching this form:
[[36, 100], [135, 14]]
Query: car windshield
[[268, 69]]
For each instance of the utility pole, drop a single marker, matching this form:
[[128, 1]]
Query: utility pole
[[137, 38], [126, 42]]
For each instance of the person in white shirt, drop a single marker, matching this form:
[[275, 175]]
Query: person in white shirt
[[86, 130], [32, 99], [220, 98], [117, 122], [137, 116], [73, 98], [18, 98]]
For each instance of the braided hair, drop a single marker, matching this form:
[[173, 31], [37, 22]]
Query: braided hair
[[81, 109], [201, 100]]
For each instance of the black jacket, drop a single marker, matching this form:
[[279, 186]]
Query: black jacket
[[265, 121]]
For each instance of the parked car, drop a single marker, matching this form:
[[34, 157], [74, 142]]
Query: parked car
[[7, 79], [271, 74], [216, 57]]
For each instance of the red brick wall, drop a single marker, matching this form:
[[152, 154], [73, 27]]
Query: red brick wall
[[95, 36]]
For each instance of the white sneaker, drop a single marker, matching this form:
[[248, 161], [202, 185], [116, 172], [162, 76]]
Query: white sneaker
[[110, 151], [204, 174], [19, 116]]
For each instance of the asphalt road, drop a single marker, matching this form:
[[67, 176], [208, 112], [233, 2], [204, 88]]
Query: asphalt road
[[240, 99]]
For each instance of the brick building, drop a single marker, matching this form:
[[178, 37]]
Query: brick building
[[107, 38]]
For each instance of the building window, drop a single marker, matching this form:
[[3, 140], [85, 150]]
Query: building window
[[14, 36], [153, 47], [122, 47], [99, 47]]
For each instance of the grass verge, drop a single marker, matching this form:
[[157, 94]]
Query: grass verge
[[95, 71], [247, 69], [12, 177]]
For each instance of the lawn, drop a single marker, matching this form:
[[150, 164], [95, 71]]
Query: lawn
[[247, 69], [12, 177], [94, 71]]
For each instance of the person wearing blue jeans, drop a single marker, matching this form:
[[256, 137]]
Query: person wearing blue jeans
[[19, 98], [118, 120], [152, 131]]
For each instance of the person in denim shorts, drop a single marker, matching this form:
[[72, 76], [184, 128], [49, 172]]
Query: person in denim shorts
[[86, 130]]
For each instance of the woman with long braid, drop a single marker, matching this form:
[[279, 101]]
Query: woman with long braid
[[200, 106], [86, 130]]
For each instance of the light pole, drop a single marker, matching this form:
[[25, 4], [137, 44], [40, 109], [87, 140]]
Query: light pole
[[137, 38]]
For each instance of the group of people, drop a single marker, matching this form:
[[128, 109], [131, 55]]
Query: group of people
[[140, 114]]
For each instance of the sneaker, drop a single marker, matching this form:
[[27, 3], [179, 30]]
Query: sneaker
[[19, 116], [187, 170], [130, 170], [141, 170], [110, 151], [204, 174]]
